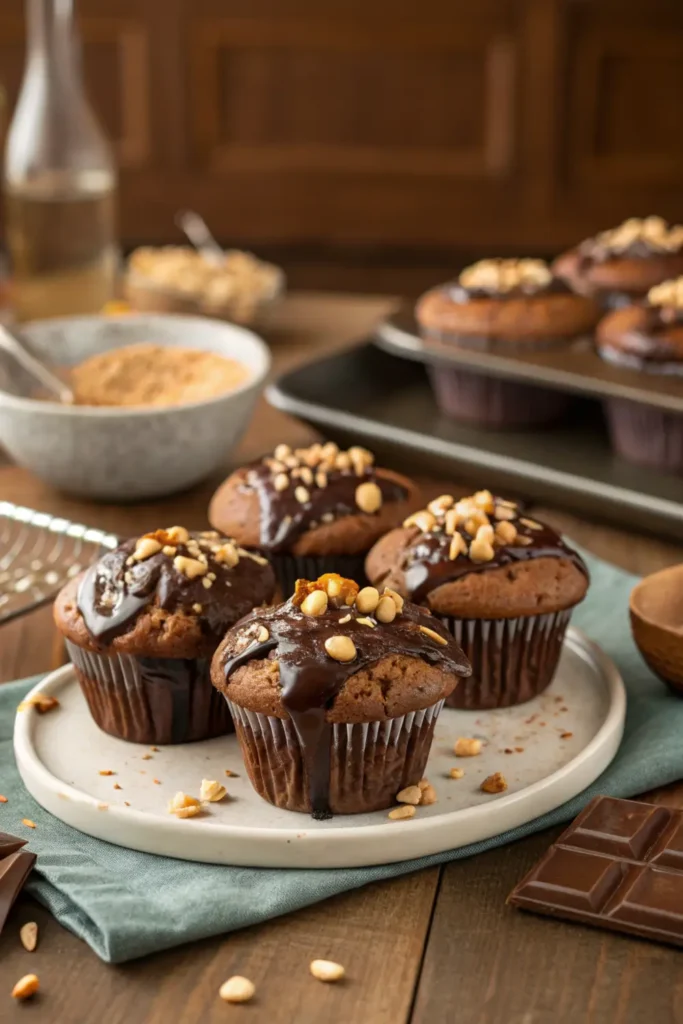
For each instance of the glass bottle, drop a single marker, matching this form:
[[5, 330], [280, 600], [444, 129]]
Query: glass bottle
[[59, 179]]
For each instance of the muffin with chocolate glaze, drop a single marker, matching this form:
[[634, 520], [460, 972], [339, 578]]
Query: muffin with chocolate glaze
[[501, 306], [312, 510], [646, 337], [142, 624], [335, 694], [620, 265], [504, 584]]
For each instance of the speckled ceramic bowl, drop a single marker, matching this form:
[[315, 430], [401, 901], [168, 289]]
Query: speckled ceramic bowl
[[127, 454]]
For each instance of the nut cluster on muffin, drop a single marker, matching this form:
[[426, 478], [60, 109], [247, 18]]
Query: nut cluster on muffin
[[501, 276], [501, 581], [634, 237], [333, 655], [623, 263], [668, 294], [142, 623], [311, 507], [431, 557]]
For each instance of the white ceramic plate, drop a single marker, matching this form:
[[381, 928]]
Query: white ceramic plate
[[60, 755]]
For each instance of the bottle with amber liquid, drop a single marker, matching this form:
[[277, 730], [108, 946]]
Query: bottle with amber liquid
[[59, 179]]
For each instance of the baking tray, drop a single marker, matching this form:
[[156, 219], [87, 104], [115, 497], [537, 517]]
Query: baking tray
[[575, 367], [39, 553], [367, 395]]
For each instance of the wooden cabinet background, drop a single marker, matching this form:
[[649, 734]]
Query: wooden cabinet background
[[478, 124]]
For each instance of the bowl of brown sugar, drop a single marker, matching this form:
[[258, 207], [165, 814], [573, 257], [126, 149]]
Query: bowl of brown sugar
[[159, 401]]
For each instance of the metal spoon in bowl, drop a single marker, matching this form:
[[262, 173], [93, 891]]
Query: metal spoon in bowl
[[197, 230], [12, 342]]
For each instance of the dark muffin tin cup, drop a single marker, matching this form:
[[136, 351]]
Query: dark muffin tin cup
[[645, 435], [151, 700], [492, 402]]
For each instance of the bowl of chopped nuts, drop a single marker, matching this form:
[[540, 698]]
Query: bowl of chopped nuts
[[656, 608], [177, 279], [159, 402]]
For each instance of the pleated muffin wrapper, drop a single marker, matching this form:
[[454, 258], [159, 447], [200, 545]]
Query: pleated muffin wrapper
[[513, 660], [150, 700], [290, 568], [369, 763]]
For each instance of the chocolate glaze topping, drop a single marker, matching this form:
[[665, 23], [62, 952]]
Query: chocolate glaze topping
[[457, 292], [646, 340], [427, 563], [634, 239], [115, 590], [284, 517], [310, 678]]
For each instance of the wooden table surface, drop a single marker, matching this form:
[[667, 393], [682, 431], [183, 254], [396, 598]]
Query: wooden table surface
[[436, 946]]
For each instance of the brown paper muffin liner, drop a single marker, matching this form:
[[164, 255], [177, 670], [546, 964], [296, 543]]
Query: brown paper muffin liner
[[369, 763], [512, 660], [492, 402], [290, 568], [644, 435], [151, 700]]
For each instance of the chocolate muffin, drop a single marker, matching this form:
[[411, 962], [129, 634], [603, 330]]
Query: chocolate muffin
[[619, 266], [503, 583], [646, 337], [313, 510], [501, 306], [142, 624], [335, 694]]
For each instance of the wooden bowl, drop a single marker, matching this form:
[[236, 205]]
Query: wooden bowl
[[656, 608]]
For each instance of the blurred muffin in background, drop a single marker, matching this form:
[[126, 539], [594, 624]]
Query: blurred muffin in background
[[646, 337], [620, 265], [501, 305]]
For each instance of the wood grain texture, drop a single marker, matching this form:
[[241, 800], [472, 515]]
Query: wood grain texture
[[483, 963], [181, 986], [523, 124]]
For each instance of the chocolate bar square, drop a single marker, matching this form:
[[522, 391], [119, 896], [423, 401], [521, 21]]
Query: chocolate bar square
[[619, 865]]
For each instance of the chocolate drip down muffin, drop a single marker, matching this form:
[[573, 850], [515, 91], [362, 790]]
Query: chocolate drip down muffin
[[501, 306], [503, 583], [646, 337], [335, 694], [620, 265], [142, 624], [313, 510]]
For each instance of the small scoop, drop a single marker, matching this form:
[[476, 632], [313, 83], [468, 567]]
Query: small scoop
[[12, 343], [656, 608]]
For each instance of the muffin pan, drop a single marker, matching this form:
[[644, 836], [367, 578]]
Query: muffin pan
[[366, 396], [566, 738], [574, 367]]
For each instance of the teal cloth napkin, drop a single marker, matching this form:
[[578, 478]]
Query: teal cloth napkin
[[127, 904]]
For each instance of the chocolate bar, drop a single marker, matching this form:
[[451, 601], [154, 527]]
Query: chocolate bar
[[619, 865], [15, 867]]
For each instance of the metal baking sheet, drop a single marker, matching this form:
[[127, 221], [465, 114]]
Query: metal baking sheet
[[365, 395], [575, 367]]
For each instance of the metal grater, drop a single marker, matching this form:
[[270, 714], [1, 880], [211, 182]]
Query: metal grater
[[39, 553]]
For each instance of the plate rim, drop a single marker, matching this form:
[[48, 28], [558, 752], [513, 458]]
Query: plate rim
[[598, 753]]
